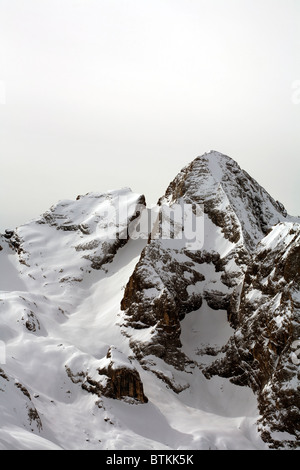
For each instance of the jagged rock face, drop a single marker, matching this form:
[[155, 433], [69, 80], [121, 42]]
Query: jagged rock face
[[156, 297], [118, 378], [238, 269], [170, 282], [260, 352]]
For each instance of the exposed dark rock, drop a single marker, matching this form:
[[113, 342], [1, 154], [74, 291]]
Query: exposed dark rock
[[33, 415], [31, 321], [8, 233], [123, 379], [107, 255], [75, 378], [23, 390], [291, 270], [156, 295], [118, 379], [3, 375], [217, 300]]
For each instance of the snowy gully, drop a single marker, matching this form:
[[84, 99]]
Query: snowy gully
[[152, 459]]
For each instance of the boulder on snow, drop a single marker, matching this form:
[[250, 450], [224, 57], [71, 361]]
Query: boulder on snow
[[119, 380]]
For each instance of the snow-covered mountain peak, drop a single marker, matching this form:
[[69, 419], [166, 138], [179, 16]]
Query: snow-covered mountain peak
[[73, 236], [218, 182], [109, 341]]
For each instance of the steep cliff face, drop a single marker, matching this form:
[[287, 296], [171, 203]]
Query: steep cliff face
[[261, 353], [243, 267], [156, 299], [171, 279]]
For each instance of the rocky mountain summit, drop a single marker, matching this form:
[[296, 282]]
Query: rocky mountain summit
[[183, 333]]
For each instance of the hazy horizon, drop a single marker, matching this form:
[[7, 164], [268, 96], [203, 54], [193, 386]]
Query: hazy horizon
[[104, 94]]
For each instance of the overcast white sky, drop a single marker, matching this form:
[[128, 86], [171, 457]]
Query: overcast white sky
[[102, 94]]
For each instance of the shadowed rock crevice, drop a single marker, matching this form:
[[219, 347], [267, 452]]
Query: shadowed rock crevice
[[116, 378]]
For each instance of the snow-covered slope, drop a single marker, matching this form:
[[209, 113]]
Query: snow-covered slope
[[55, 316], [104, 339]]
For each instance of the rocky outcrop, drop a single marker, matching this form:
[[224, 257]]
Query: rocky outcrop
[[119, 379], [156, 297]]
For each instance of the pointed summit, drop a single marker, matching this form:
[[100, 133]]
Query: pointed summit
[[218, 182]]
